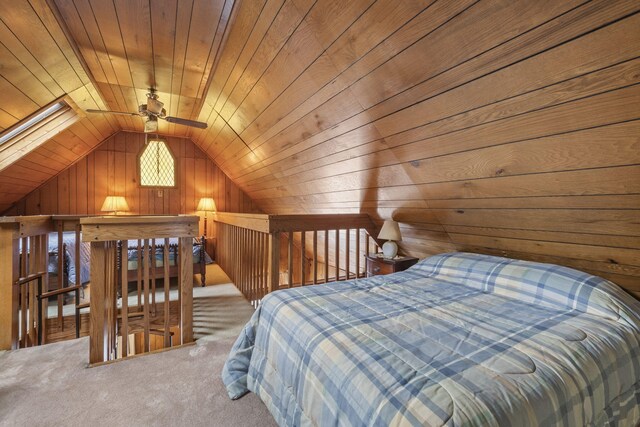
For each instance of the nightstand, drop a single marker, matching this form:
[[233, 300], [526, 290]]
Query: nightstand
[[378, 265]]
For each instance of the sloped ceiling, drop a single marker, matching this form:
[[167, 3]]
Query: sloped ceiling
[[507, 127]]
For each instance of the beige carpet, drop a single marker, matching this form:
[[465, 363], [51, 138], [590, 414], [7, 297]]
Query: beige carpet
[[51, 386]]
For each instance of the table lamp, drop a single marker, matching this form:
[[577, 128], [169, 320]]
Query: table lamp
[[115, 204], [206, 204], [391, 233]]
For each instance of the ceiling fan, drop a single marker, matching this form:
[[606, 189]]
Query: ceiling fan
[[153, 110]]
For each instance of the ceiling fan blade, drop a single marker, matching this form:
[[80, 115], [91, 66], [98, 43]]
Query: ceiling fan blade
[[112, 112], [185, 122]]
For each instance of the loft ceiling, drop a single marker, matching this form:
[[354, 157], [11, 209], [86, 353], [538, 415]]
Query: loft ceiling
[[130, 46]]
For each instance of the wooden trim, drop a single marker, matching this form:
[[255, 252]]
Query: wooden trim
[[257, 222], [138, 227]]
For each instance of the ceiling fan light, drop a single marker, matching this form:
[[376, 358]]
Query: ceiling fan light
[[154, 106], [151, 125]]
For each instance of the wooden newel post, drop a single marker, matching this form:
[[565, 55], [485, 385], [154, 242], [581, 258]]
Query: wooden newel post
[[274, 262], [186, 289], [9, 269]]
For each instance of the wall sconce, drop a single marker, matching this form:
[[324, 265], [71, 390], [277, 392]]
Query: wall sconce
[[206, 204], [115, 204], [391, 232]]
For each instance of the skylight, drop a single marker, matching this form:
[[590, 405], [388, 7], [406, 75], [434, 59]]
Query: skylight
[[36, 129], [22, 127]]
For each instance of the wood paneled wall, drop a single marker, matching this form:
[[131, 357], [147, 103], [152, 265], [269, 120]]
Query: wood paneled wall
[[111, 169], [507, 127]]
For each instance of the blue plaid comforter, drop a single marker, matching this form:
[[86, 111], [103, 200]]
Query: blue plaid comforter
[[458, 339]]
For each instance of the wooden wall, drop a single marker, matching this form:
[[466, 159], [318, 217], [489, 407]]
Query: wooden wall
[[507, 127], [111, 169]]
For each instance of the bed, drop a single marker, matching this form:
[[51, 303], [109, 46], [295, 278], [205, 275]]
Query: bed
[[69, 260], [200, 259], [457, 339]]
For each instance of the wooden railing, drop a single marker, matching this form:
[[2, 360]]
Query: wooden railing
[[111, 326], [23, 270], [24, 261], [263, 253]]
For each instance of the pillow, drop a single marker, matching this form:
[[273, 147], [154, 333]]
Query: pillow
[[535, 283]]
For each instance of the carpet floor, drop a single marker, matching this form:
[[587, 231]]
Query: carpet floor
[[51, 385]]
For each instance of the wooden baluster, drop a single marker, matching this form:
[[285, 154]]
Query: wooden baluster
[[245, 263], [347, 265], [264, 265], [61, 253], [139, 274], [110, 297], [290, 260], [97, 337], [236, 256], [24, 291], [337, 255], [154, 265], [186, 289], [326, 256], [357, 253], [253, 248], [41, 266], [124, 331], [248, 262], [241, 262], [367, 244], [145, 305], [167, 331], [238, 263], [315, 257], [45, 284], [31, 296], [274, 261], [32, 264], [79, 275], [303, 258]]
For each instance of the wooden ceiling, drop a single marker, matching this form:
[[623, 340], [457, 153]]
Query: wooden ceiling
[[501, 126], [130, 46], [39, 65]]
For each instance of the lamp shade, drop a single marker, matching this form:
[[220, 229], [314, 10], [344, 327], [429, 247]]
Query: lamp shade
[[390, 231], [207, 204], [114, 204]]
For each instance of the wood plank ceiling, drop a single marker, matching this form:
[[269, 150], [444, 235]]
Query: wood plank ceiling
[[39, 65], [496, 126], [130, 46]]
